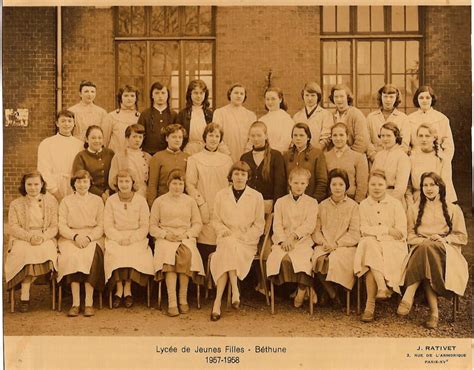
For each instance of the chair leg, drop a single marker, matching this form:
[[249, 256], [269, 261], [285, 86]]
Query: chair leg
[[358, 297], [148, 293], [53, 298], [198, 296], [454, 307], [100, 300], [159, 295], [12, 300], [272, 297], [110, 299], [60, 296], [458, 303], [264, 280], [229, 288], [348, 302], [311, 291]]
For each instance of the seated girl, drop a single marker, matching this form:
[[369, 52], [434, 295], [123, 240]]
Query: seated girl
[[383, 247], [436, 232], [32, 225], [175, 223], [127, 254], [81, 227], [132, 157], [336, 236], [238, 219], [294, 222]]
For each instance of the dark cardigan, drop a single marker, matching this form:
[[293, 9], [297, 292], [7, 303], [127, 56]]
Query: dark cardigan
[[154, 121], [184, 119]]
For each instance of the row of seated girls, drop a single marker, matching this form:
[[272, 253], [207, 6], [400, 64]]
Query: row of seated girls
[[288, 173]]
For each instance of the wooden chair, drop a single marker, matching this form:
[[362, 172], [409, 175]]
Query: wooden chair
[[60, 297], [148, 285], [261, 255], [11, 294]]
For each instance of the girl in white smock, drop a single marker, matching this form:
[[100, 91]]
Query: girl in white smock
[[238, 219], [127, 254], [294, 222], [81, 229], [175, 223]]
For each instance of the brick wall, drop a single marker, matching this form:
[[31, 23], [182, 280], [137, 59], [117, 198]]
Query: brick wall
[[29, 55], [448, 70], [251, 40], [88, 54]]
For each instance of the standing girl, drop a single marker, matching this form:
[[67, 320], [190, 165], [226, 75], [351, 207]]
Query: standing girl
[[132, 158], [354, 163], [303, 154], [165, 161], [267, 167], [278, 121], [81, 260], [336, 236], [96, 160], [388, 98], [436, 232], [175, 223], [235, 121], [382, 248], [127, 254], [316, 117], [117, 121], [393, 161], [238, 220], [293, 224], [33, 225], [155, 118]]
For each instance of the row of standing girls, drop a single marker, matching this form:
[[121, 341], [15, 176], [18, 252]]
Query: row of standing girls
[[206, 170]]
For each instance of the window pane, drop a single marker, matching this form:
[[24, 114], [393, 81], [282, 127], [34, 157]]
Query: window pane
[[124, 23], [343, 57], [191, 20], [138, 20], [412, 18], [191, 59], [345, 79], [131, 66], [124, 59], [342, 19], [363, 57], [205, 16], [363, 91], [329, 58], [164, 20], [398, 18], [412, 83], [413, 57], [377, 82], [205, 58], [363, 19], [164, 59], [399, 81], [398, 56], [377, 19], [328, 82], [378, 57], [329, 19]]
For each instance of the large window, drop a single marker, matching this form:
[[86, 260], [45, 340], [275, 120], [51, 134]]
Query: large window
[[366, 46], [170, 44]]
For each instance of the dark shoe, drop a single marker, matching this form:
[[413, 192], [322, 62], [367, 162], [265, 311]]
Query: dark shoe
[[215, 316], [236, 305], [367, 316], [432, 322], [336, 301], [89, 311], [403, 308], [73, 311], [128, 301], [173, 311], [117, 301], [324, 299], [24, 306], [184, 308]]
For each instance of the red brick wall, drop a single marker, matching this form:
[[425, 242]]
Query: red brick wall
[[251, 40], [29, 55], [448, 70], [88, 54]]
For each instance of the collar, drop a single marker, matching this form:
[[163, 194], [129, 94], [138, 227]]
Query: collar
[[311, 112], [344, 200], [162, 110], [343, 150], [372, 201], [64, 135], [427, 112], [90, 151], [172, 151]]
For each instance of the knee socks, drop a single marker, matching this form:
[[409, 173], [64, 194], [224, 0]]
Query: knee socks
[[183, 288]]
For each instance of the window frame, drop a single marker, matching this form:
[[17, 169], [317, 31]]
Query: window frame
[[387, 37], [180, 38]]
